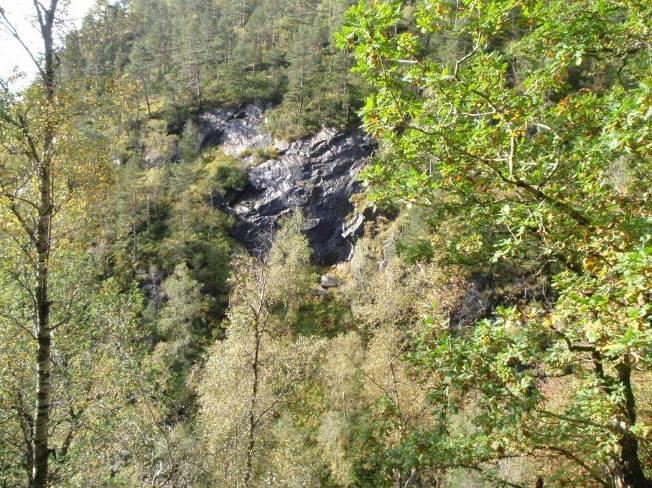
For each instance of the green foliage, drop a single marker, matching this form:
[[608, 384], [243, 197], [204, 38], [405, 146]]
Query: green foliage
[[528, 134], [500, 151], [189, 143], [250, 374], [222, 173], [265, 154], [185, 55], [326, 316], [159, 147], [413, 252], [513, 168]]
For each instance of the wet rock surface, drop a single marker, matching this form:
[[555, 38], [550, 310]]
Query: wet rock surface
[[316, 175]]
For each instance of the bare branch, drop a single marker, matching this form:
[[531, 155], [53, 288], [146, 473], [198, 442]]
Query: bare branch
[[8, 27]]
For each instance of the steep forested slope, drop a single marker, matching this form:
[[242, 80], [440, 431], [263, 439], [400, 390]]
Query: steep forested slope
[[487, 321], [186, 54]]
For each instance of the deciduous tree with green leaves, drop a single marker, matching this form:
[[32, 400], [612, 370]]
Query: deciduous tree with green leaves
[[250, 375], [55, 173], [533, 118]]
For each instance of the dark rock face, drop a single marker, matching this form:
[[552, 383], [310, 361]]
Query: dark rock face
[[235, 130], [506, 287], [316, 176]]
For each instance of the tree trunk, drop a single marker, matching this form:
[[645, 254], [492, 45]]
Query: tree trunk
[[252, 407], [40, 440], [40, 447], [146, 89], [627, 469]]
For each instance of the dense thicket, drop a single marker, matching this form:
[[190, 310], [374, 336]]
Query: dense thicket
[[492, 328]]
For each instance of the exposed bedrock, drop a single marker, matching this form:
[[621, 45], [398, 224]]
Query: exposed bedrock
[[316, 175]]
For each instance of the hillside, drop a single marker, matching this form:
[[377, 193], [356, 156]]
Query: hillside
[[326, 243]]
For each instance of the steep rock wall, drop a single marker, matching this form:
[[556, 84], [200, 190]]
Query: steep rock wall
[[316, 175]]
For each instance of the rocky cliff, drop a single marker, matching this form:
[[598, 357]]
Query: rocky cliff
[[316, 175]]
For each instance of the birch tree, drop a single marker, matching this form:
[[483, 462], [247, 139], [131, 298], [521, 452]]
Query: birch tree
[[54, 174], [251, 374], [38, 145]]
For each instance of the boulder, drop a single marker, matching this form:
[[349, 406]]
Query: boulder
[[328, 281]]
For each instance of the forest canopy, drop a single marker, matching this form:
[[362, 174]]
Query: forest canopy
[[492, 326]]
